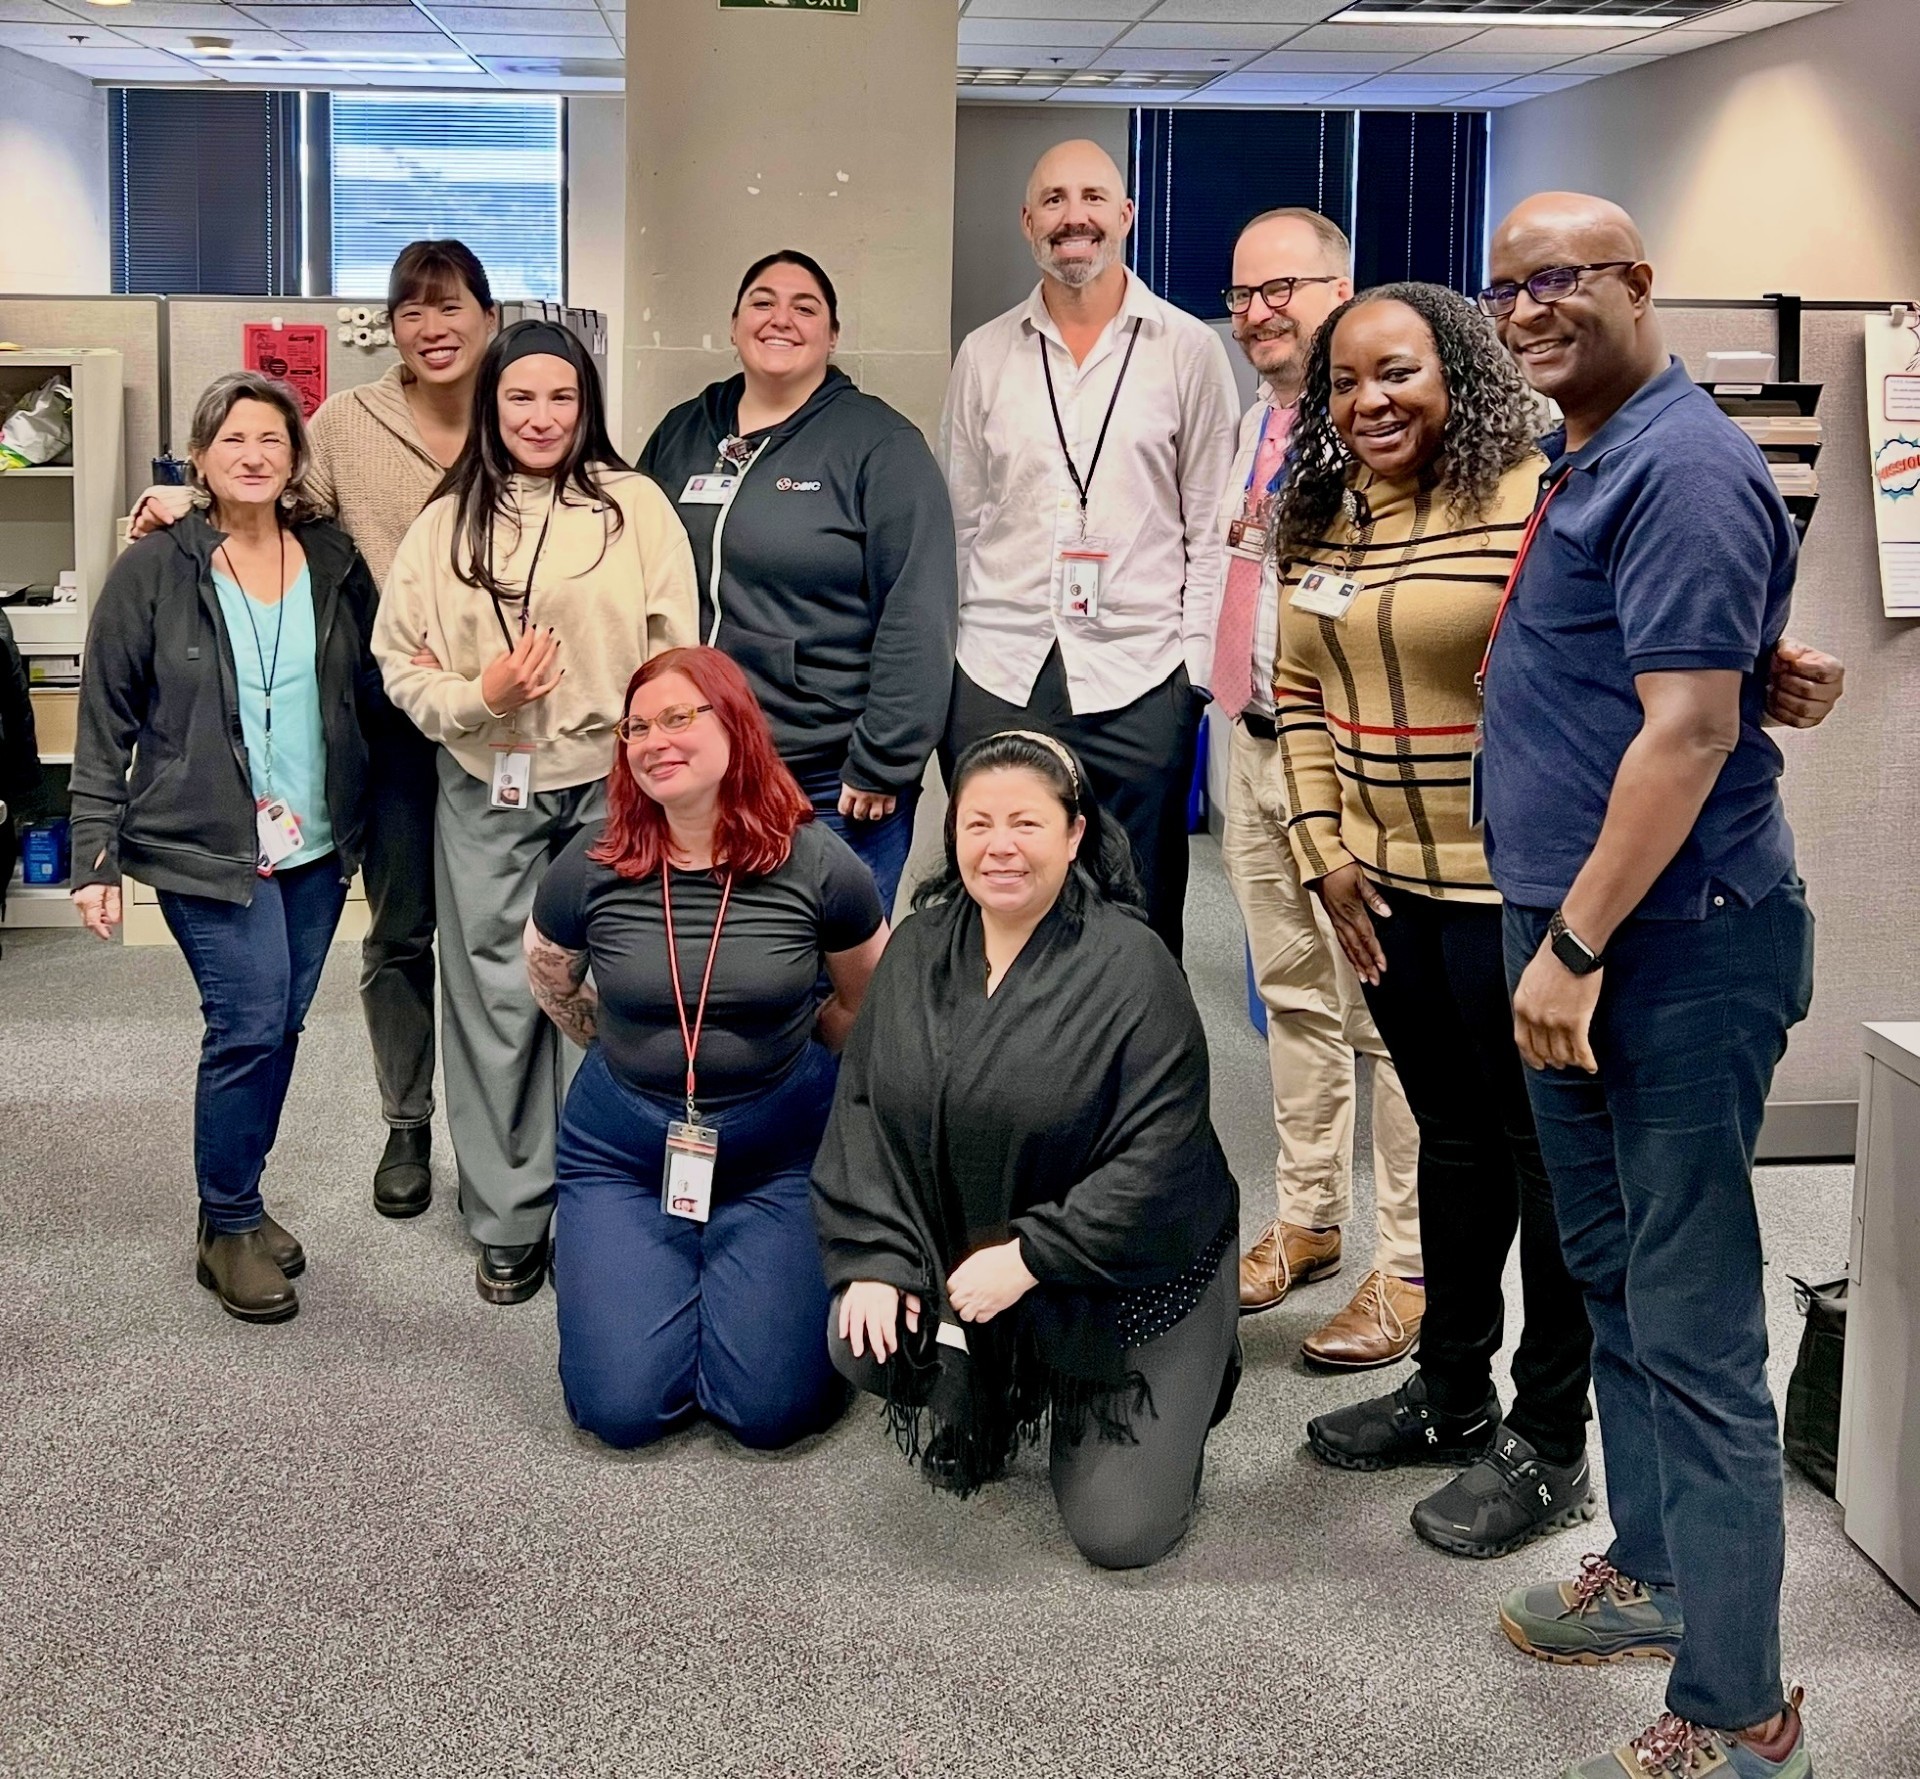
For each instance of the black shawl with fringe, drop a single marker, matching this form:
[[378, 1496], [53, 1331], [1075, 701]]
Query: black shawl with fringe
[[1069, 1109]]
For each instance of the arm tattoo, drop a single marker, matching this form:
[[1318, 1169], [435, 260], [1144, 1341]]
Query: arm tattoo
[[557, 977]]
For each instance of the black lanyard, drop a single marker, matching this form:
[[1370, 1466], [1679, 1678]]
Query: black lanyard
[[1085, 487], [523, 600], [269, 672]]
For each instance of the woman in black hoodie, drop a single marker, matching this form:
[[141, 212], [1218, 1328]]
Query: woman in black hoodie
[[823, 540]]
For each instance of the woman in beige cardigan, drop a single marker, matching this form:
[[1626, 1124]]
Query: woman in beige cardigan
[[542, 574]]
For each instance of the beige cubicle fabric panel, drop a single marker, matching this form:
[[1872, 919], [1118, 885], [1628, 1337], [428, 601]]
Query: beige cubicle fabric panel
[[131, 326], [1852, 786]]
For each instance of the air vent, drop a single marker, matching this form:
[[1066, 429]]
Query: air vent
[[1621, 14], [559, 68]]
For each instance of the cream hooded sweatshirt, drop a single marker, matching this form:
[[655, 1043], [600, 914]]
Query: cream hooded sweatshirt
[[615, 598]]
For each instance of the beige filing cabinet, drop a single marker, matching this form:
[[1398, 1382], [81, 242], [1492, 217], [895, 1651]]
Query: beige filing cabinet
[[1879, 1473]]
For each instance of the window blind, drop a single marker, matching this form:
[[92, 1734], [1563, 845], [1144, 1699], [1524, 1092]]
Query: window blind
[[1422, 198], [488, 171]]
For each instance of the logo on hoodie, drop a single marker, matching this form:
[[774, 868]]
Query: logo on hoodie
[[787, 485]]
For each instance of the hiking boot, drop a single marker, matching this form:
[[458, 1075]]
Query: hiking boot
[[1287, 1254], [1379, 1327], [1403, 1428], [1603, 1616], [1676, 1749], [1513, 1495]]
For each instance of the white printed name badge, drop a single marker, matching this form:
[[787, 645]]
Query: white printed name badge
[[1082, 569], [277, 830], [687, 1189], [1325, 594], [512, 784], [708, 491]]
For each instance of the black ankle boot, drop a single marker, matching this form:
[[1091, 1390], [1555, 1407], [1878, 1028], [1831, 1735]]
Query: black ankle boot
[[512, 1274], [403, 1182]]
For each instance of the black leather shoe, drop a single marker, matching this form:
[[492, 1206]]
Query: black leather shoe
[[1511, 1496], [242, 1273], [282, 1244], [1404, 1428], [403, 1182], [511, 1275]]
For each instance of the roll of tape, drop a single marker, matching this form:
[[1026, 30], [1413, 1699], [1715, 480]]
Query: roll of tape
[[362, 315], [363, 336]]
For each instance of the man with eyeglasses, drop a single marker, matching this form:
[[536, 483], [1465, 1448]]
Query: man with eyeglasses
[[1086, 435], [1291, 269], [1659, 947]]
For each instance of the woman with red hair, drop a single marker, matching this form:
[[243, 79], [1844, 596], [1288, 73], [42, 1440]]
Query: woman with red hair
[[685, 1261]]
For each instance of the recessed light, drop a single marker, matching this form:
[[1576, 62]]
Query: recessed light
[[1643, 21], [109, 2]]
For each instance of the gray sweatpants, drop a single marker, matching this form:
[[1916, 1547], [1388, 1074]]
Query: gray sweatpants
[[507, 1067]]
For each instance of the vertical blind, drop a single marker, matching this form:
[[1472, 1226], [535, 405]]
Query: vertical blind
[[1421, 209], [489, 171], [204, 192]]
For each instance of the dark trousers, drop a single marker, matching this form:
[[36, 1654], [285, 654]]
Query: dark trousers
[[1444, 1015], [256, 968], [1652, 1166], [661, 1318], [881, 846], [396, 957], [1139, 758]]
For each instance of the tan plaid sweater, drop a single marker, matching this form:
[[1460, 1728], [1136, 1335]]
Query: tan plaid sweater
[[1377, 711]]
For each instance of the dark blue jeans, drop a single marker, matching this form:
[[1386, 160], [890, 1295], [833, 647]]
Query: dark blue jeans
[[256, 968], [881, 846], [662, 1318], [1652, 1170]]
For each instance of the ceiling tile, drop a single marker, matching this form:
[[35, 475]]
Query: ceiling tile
[[1405, 40], [1497, 98], [1618, 62], [543, 21], [1386, 94], [123, 58], [177, 40], [1535, 84], [1757, 15], [1172, 61], [20, 36], [1567, 40], [1029, 55], [1155, 35], [1473, 61], [1024, 95], [1009, 31], [1245, 12], [364, 21], [1287, 61], [489, 44], [1119, 11], [1673, 43], [186, 15], [33, 12], [1279, 88]]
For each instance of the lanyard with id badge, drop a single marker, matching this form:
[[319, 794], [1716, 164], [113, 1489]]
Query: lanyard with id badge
[[1084, 563], [511, 786], [1249, 534], [1476, 792], [686, 1186], [1329, 592], [717, 489], [276, 827]]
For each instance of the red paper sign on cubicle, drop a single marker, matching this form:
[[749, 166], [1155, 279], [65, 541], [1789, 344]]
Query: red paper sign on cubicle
[[296, 354]]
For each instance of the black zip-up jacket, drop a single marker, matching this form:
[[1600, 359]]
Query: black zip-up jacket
[[839, 590], [158, 694]]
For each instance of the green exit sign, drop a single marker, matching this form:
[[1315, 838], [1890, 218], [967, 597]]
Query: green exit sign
[[793, 5]]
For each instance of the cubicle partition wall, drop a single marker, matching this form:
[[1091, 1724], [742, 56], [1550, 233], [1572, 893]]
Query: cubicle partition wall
[[133, 326]]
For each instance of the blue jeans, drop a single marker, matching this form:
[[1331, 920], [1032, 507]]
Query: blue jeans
[[881, 846], [662, 1318], [256, 968], [1652, 1170]]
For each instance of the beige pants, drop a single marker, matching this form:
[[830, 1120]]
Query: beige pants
[[1316, 1022]]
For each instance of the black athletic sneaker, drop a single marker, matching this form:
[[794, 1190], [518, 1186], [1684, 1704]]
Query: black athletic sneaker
[[1403, 1428], [1511, 1496]]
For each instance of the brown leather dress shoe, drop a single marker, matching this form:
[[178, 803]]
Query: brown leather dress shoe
[[1286, 1255], [242, 1273], [1381, 1325]]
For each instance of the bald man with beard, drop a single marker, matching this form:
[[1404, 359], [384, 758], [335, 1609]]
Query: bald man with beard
[[1659, 947], [1086, 438]]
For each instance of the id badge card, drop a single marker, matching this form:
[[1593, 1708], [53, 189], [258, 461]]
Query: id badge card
[[714, 489], [277, 830], [1325, 594], [1477, 779], [1082, 568], [1248, 538], [512, 783], [687, 1188]]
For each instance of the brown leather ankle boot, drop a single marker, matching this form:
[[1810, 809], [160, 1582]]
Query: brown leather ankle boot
[[241, 1271]]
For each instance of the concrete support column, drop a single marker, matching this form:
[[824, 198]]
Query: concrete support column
[[790, 124]]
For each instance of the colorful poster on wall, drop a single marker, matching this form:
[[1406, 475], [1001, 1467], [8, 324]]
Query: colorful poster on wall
[[1893, 436], [296, 353]]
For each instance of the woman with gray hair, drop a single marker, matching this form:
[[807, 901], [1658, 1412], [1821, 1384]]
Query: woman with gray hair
[[221, 758]]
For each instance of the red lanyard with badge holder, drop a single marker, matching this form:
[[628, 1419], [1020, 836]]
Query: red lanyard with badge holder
[[1082, 566], [512, 784], [686, 1188], [1476, 810]]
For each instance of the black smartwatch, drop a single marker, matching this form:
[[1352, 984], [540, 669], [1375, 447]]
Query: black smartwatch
[[1579, 958]]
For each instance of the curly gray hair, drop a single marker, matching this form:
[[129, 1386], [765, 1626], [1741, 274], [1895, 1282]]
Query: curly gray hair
[[210, 412]]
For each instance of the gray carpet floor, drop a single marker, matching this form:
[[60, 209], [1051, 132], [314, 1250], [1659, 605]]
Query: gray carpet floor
[[368, 1542]]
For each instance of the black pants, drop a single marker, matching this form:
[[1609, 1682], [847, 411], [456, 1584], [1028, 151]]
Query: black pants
[[396, 958], [1139, 757], [1443, 1012]]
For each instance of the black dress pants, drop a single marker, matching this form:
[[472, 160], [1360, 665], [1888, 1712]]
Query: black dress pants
[[1139, 759], [1444, 1015]]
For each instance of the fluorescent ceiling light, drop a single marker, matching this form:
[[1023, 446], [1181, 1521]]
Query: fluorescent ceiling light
[[1645, 21]]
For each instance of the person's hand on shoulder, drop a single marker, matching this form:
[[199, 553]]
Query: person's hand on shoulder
[[161, 506]]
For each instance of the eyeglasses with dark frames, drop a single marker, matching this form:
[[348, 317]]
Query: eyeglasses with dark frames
[[1276, 293], [1553, 284], [671, 721]]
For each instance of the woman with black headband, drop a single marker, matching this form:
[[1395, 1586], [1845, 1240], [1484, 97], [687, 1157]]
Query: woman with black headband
[[1026, 1216], [536, 581]]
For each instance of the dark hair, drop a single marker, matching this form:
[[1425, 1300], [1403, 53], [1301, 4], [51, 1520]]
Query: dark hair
[[432, 271], [1490, 429], [760, 801], [218, 400], [484, 471], [1104, 868], [792, 256]]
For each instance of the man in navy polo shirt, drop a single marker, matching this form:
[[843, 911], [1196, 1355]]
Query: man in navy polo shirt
[[1660, 947]]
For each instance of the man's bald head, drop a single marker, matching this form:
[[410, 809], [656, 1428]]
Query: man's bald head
[[1572, 222], [1077, 212]]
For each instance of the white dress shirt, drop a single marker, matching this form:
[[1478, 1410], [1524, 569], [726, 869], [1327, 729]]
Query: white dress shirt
[[1152, 503], [1266, 623]]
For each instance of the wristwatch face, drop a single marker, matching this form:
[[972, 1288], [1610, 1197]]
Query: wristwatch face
[[1573, 954]]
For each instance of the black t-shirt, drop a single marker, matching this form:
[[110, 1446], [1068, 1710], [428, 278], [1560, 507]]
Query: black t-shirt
[[761, 1007]]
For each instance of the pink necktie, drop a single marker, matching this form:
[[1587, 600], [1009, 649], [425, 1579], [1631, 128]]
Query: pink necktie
[[1240, 601]]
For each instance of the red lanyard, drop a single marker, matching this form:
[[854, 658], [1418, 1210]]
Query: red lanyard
[[691, 1037], [1513, 577]]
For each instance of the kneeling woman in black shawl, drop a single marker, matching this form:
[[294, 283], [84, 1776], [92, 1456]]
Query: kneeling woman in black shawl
[[1024, 1209]]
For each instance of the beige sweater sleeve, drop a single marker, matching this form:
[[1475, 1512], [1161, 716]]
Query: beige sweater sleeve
[[666, 567], [443, 705]]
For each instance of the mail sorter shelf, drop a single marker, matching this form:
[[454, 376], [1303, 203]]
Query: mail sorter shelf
[[1795, 437]]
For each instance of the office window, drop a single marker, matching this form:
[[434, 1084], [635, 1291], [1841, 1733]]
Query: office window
[[1421, 209], [490, 171], [205, 188]]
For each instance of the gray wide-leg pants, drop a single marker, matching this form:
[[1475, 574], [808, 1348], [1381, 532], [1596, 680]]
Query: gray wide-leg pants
[[506, 1066]]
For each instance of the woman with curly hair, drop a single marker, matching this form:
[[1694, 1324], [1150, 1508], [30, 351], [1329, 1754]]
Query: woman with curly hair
[[1413, 475]]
